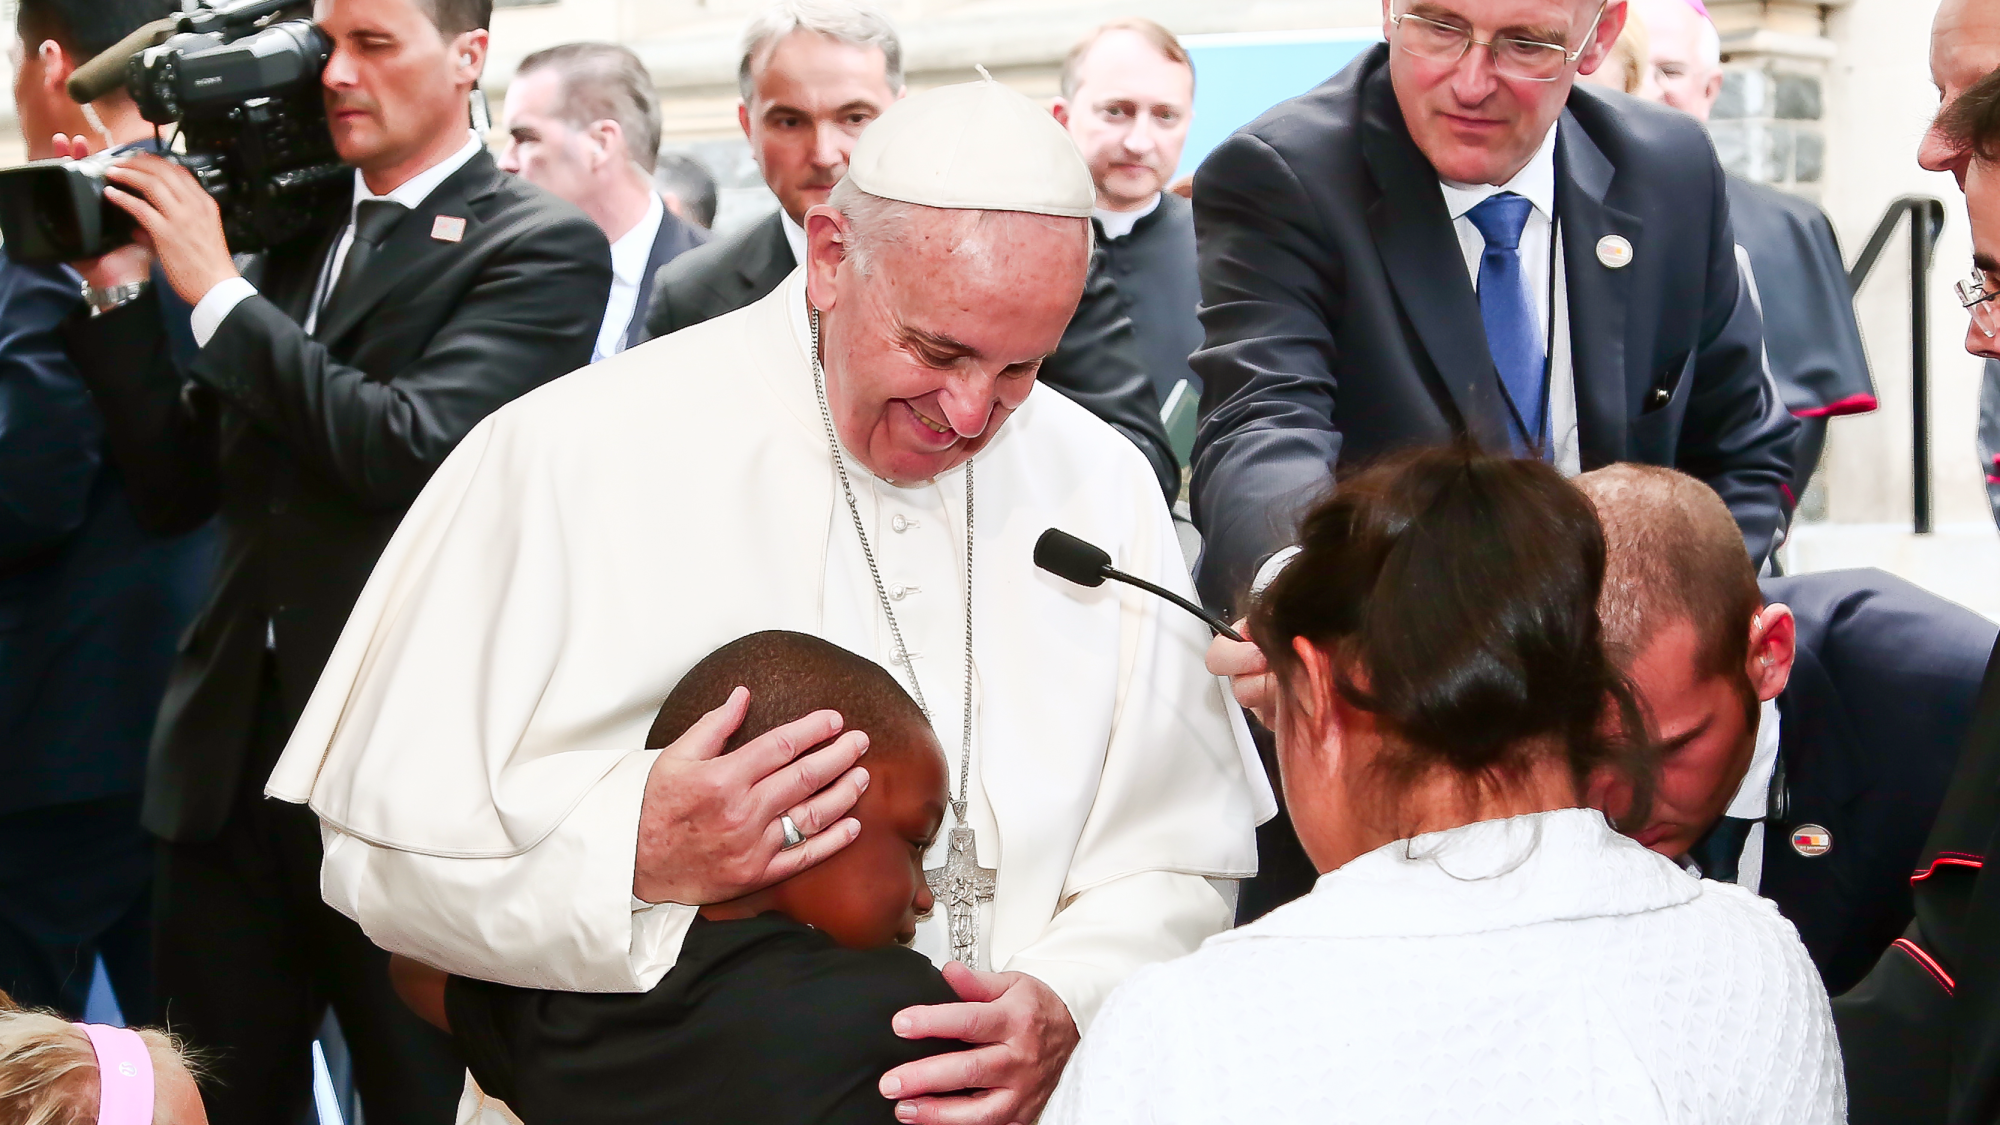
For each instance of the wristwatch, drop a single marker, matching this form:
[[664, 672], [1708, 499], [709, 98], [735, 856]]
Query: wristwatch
[[102, 301]]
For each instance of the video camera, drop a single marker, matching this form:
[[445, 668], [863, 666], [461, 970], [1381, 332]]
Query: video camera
[[243, 80]]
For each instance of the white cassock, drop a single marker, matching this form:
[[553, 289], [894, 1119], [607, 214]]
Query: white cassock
[[473, 747]]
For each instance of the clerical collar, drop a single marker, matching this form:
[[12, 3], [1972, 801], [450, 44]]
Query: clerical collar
[[1118, 224], [1536, 182], [795, 237]]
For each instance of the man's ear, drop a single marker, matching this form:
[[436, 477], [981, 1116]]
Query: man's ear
[[56, 67], [1606, 37], [1774, 637], [468, 51], [1060, 108], [607, 139], [826, 248], [743, 116]]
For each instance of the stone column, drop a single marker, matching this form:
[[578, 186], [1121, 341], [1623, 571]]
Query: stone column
[[1768, 123]]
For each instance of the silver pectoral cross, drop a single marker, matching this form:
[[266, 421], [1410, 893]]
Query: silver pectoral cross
[[960, 886]]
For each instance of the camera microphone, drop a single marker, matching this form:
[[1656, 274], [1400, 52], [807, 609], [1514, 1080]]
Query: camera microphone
[[105, 71], [1072, 559]]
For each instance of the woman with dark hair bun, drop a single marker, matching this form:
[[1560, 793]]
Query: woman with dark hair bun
[[1482, 944]]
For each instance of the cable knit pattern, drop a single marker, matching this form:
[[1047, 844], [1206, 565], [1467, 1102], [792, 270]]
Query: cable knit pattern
[[1541, 968]]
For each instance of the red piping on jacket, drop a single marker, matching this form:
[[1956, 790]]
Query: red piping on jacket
[[1948, 859], [1852, 404], [1929, 966]]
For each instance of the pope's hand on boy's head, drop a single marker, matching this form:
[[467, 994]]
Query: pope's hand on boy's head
[[709, 824], [1023, 1032]]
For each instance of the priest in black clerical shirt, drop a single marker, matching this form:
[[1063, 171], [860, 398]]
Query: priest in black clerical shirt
[[1811, 339], [1127, 99]]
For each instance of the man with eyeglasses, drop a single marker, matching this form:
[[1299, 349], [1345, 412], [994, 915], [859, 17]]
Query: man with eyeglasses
[[1452, 239]]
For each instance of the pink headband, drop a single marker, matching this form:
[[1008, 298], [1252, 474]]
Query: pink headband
[[124, 1075]]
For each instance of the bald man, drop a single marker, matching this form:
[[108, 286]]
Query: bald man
[[1811, 340]]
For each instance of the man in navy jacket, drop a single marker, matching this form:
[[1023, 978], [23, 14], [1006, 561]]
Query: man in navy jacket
[[1446, 240], [91, 602]]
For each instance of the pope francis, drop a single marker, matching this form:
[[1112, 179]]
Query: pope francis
[[862, 455]]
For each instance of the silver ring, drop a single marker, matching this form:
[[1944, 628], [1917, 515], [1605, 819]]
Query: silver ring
[[793, 837]]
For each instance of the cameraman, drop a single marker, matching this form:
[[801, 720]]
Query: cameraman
[[332, 380], [91, 601]]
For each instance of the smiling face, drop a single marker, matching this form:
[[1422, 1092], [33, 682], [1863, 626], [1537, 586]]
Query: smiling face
[[930, 348], [871, 892], [1965, 47], [813, 97], [396, 87], [1476, 125], [1129, 117]]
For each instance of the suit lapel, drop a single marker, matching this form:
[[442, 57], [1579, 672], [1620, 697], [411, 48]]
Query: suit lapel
[[769, 258], [401, 261], [1420, 252], [1598, 294], [664, 241]]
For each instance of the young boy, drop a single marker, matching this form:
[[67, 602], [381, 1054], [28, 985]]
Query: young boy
[[778, 1010]]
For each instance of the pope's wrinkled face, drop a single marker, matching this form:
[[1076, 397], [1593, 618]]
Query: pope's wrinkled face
[[933, 333]]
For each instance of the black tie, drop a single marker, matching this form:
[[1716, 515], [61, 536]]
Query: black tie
[[373, 220], [1719, 852]]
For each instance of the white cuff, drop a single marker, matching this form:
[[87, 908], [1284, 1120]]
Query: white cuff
[[1273, 566], [215, 307]]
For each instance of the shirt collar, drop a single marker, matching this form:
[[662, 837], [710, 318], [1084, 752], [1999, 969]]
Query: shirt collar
[[1536, 182], [418, 188], [1753, 796], [1118, 224], [630, 253], [795, 237]]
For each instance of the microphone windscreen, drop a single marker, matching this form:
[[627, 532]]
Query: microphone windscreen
[[1066, 556]]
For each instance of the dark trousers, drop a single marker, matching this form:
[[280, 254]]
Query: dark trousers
[[75, 882], [249, 959]]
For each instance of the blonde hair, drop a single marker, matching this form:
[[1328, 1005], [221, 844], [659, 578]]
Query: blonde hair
[[48, 1069]]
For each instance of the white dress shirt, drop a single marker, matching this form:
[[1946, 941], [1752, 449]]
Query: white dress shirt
[[1541, 968], [1753, 797], [1118, 224], [1537, 184], [629, 256], [216, 305]]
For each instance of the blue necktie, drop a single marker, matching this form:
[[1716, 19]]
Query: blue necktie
[[1511, 332]]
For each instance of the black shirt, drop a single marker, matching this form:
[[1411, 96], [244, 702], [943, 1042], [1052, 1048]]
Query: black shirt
[[1154, 267], [762, 1020]]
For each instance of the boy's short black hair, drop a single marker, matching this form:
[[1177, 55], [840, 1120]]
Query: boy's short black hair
[[86, 27], [790, 675]]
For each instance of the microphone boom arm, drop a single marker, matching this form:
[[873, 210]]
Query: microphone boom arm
[[1213, 622]]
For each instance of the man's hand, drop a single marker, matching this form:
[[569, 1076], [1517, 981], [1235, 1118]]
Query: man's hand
[[1249, 674], [708, 825], [177, 220], [123, 266], [1026, 1033]]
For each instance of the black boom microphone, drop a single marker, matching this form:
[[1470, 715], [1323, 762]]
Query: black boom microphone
[[1067, 557]]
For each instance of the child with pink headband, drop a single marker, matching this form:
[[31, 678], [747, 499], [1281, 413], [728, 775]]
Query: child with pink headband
[[54, 1072]]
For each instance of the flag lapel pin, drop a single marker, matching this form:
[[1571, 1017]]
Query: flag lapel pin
[[448, 228]]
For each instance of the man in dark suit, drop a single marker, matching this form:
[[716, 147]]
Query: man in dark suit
[[812, 77], [91, 601], [332, 379], [1127, 100], [1920, 1035], [1800, 284], [1805, 757], [583, 121], [1449, 239]]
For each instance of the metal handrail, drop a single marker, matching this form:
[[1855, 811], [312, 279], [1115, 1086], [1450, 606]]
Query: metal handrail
[[1926, 216]]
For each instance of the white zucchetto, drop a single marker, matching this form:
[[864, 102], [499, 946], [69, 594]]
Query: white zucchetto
[[976, 146]]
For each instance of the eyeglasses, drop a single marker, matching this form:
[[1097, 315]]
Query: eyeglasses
[[1529, 60], [1976, 294]]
